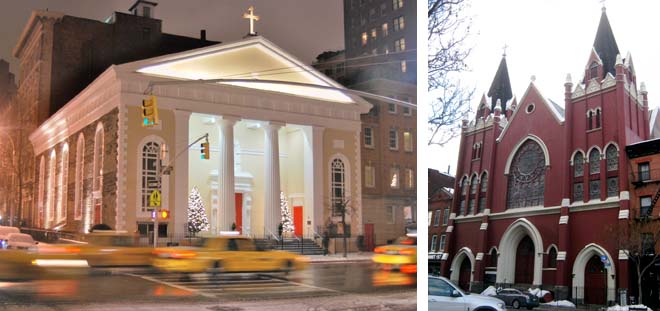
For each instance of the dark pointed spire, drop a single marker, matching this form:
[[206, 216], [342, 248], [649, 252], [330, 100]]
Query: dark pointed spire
[[501, 86], [605, 45]]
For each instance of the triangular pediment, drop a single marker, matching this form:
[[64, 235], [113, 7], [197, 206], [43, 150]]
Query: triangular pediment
[[254, 58]]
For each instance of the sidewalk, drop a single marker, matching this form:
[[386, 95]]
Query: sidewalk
[[339, 258]]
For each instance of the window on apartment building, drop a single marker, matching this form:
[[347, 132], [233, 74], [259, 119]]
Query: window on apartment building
[[391, 108], [368, 137], [147, 11], [394, 140], [648, 244], [445, 217], [443, 240], [383, 9], [364, 39], [400, 45], [410, 178], [390, 213], [430, 217], [397, 4], [407, 111], [384, 30], [372, 14], [644, 171], [398, 23], [386, 50], [374, 34], [370, 176], [645, 206], [407, 141], [404, 66], [434, 241], [436, 219], [394, 178]]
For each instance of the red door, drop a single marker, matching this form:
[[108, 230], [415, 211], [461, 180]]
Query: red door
[[525, 261], [239, 211], [369, 237], [298, 220], [464, 274], [97, 211], [595, 282]]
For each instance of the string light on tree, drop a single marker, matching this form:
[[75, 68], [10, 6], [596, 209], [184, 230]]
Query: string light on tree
[[197, 219], [287, 218]]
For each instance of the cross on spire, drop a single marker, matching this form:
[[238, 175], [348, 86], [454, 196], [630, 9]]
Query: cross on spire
[[252, 19], [504, 50], [603, 3]]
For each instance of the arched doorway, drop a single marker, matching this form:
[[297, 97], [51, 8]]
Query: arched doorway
[[595, 280], [525, 261], [464, 276]]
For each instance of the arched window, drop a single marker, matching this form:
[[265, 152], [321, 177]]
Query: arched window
[[464, 187], [552, 257], [41, 196], [338, 185], [594, 161], [63, 181], [51, 189], [473, 190], [597, 118], [98, 160], [150, 167], [612, 158], [593, 71], [578, 165], [493, 257], [80, 166], [482, 196], [526, 176], [590, 119]]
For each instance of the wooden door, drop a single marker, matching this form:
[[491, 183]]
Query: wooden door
[[298, 220], [464, 275], [369, 237], [239, 211], [595, 282], [525, 262], [97, 211]]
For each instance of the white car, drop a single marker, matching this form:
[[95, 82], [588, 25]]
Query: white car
[[445, 296], [4, 232], [20, 241]]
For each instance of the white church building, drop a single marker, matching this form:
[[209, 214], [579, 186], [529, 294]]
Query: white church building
[[297, 133]]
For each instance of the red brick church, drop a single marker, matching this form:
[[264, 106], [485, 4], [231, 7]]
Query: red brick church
[[538, 182]]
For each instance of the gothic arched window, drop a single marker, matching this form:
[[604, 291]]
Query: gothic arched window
[[150, 177], [482, 195], [526, 176], [552, 257], [338, 185], [594, 161], [473, 190], [612, 158], [79, 179], [578, 165]]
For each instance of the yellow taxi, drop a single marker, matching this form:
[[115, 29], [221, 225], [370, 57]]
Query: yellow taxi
[[113, 248], [402, 255], [226, 254], [43, 262]]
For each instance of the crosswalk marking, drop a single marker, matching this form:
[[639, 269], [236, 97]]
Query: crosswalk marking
[[236, 286]]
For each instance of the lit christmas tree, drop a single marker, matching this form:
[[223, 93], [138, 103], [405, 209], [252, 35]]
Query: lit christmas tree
[[287, 218], [197, 220]]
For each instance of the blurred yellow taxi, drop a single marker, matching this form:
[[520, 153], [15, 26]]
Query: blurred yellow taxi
[[402, 255], [46, 261], [113, 248], [226, 254]]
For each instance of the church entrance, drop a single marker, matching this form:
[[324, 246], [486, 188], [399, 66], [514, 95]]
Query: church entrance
[[595, 282], [525, 261], [464, 274], [298, 220], [97, 211]]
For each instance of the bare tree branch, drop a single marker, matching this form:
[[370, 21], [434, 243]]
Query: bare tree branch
[[448, 31]]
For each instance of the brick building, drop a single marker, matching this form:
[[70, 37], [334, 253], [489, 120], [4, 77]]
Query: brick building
[[380, 42], [441, 188], [538, 183], [60, 55]]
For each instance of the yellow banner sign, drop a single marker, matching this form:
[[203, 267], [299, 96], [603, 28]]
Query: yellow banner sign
[[154, 199]]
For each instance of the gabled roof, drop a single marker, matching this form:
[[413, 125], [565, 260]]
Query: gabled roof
[[253, 58], [556, 110], [500, 88], [605, 45]]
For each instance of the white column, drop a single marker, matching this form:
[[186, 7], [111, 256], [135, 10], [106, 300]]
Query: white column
[[313, 176], [272, 213], [179, 212], [226, 187]]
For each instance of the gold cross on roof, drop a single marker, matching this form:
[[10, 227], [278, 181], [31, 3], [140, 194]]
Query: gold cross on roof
[[252, 19]]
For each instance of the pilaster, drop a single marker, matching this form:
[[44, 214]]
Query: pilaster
[[226, 187], [272, 213], [180, 210]]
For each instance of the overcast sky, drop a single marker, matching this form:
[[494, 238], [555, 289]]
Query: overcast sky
[[549, 39], [304, 28]]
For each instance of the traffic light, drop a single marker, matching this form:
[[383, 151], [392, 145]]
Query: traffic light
[[164, 214], [205, 151], [150, 112]]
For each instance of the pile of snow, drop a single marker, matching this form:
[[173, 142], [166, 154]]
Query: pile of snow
[[626, 308], [538, 292], [560, 303], [490, 291]]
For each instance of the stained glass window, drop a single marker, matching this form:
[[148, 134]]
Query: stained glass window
[[473, 184], [612, 158], [484, 182], [578, 192], [612, 186], [526, 177], [594, 189], [594, 162], [578, 165]]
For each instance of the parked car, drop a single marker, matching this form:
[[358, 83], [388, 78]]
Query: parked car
[[20, 241], [226, 254], [401, 256], [516, 299], [446, 296], [4, 231]]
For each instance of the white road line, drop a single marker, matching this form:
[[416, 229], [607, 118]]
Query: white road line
[[173, 285]]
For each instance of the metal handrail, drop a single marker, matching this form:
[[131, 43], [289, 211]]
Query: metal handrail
[[273, 235]]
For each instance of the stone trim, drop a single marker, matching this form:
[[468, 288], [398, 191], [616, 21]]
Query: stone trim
[[624, 214], [484, 226], [563, 220], [561, 255]]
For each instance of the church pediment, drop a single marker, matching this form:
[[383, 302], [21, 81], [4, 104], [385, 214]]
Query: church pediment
[[254, 58]]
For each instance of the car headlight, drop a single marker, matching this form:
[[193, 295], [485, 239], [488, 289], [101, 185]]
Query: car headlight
[[500, 305]]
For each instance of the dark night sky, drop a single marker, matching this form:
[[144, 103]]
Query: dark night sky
[[304, 28]]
